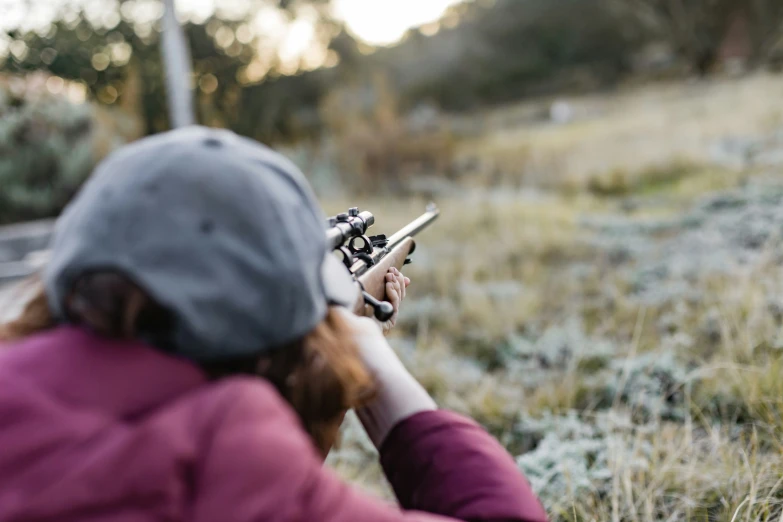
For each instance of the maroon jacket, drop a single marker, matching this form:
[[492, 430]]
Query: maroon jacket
[[94, 430]]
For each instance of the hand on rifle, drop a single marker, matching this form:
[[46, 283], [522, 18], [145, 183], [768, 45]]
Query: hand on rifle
[[396, 285]]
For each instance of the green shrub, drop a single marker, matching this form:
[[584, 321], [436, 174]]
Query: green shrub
[[48, 147]]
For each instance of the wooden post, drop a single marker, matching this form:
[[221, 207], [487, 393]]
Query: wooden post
[[176, 63]]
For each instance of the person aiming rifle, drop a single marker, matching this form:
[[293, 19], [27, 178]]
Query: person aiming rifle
[[194, 347]]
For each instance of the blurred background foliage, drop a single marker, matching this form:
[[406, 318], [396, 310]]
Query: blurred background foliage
[[49, 145], [480, 54], [375, 111]]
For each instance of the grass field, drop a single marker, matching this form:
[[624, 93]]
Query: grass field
[[624, 342], [632, 139]]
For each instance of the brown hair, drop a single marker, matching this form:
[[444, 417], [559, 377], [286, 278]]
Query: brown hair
[[320, 375]]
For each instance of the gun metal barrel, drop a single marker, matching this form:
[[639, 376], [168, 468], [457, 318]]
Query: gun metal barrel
[[360, 267], [414, 227]]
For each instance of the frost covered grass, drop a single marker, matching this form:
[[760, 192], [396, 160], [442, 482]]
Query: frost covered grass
[[630, 360]]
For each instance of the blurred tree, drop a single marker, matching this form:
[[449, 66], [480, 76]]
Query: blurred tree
[[532, 41], [48, 145], [765, 19], [697, 29], [106, 58], [512, 49]]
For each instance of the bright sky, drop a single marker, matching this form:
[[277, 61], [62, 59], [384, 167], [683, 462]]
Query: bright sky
[[382, 22], [377, 22]]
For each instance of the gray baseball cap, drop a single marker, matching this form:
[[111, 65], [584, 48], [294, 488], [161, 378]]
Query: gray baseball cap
[[221, 230]]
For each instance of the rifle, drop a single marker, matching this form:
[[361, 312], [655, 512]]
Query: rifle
[[369, 258]]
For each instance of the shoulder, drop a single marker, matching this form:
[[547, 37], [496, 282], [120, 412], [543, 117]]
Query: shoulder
[[254, 457], [249, 411], [241, 400]]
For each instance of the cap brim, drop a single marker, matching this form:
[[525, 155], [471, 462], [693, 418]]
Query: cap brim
[[339, 285]]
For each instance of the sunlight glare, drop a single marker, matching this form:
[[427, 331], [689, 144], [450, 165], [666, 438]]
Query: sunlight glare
[[384, 22]]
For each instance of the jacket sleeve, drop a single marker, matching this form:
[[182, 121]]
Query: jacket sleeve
[[258, 465], [441, 462]]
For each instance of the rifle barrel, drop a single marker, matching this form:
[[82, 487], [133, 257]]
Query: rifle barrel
[[414, 227]]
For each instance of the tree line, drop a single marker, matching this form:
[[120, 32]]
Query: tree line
[[484, 53]]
